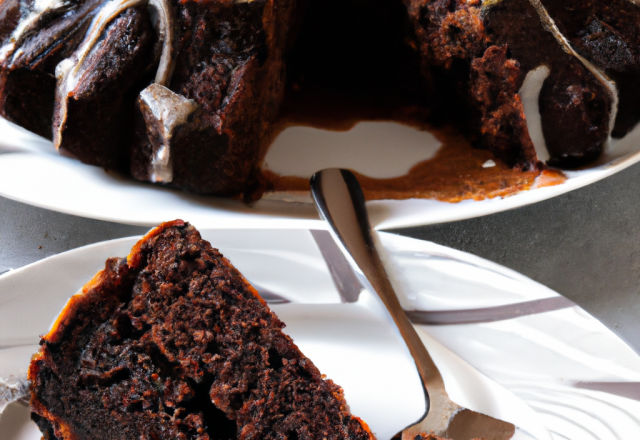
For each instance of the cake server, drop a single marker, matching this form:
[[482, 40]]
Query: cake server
[[14, 364], [340, 201]]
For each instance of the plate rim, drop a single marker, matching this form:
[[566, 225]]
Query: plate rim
[[385, 214]]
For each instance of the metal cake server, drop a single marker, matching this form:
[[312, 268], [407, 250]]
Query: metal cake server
[[14, 364], [340, 201]]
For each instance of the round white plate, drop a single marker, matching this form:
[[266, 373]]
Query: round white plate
[[525, 354], [33, 173]]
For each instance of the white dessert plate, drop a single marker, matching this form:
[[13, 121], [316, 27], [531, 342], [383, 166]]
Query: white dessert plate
[[33, 173], [506, 345]]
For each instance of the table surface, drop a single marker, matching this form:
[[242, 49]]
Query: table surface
[[585, 244]]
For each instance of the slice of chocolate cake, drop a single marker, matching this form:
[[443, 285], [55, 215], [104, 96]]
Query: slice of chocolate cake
[[172, 342]]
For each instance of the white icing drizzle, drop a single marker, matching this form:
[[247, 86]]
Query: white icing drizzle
[[27, 23], [550, 26], [163, 23], [166, 106], [530, 94], [171, 110], [69, 71]]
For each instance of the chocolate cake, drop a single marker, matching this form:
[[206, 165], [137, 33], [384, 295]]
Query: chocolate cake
[[172, 342], [492, 46], [189, 93], [174, 92]]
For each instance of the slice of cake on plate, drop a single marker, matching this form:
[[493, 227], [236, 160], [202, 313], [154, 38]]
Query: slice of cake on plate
[[172, 342]]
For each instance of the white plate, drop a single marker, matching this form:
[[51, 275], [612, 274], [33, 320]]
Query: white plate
[[538, 370], [353, 344], [376, 149]]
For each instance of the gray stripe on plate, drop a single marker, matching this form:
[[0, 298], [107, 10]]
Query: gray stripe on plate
[[344, 278], [630, 390], [269, 296], [489, 314]]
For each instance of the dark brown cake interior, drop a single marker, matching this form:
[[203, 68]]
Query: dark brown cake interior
[[173, 343], [352, 59], [608, 34]]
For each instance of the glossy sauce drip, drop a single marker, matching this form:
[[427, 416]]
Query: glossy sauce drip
[[355, 60], [454, 174]]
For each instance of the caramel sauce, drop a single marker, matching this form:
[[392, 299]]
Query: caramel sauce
[[361, 65], [454, 174]]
